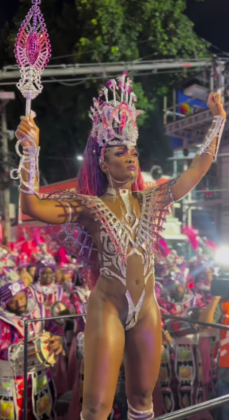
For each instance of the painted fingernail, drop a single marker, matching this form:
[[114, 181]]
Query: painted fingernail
[[33, 114]]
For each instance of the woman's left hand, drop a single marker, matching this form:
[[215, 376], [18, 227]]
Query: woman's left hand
[[215, 104]]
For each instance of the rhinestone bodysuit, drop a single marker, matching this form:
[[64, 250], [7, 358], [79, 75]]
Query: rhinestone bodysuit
[[119, 239]]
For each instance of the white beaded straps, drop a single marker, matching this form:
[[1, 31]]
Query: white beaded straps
[[70, 212], [215, 132], [30, 156]]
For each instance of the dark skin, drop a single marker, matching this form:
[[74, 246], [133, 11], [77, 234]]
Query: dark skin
[[18, 305], [106, 341], [47, 276]]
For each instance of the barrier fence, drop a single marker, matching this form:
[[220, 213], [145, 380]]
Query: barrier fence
[[176, 415]]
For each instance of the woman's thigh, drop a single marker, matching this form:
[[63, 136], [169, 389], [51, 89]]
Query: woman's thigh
[[104, 347], [143, 358]]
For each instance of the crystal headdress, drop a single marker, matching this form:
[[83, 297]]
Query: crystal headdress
[[114, 121]]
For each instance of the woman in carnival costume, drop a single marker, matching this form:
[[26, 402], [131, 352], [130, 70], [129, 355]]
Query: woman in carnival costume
[[113, 225]]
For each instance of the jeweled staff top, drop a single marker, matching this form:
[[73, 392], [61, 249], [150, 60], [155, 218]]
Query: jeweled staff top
[[32, 52]]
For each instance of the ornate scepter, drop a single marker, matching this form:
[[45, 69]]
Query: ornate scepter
[[32, 52]]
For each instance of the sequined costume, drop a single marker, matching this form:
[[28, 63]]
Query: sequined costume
[[119, 239]]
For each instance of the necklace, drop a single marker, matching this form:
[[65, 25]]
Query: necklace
[[122, 182]]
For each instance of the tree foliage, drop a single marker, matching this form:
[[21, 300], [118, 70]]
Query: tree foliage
[[128, 30], [92, 31]]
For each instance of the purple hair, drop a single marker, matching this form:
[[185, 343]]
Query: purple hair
[[91, 180]]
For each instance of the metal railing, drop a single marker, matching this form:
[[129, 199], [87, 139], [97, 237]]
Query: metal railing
[[194, 409], [176, 415]]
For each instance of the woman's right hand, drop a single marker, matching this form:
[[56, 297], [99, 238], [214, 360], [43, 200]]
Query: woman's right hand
[[27, 129]]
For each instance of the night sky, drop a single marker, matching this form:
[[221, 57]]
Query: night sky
[[211, 18], [8, 9]]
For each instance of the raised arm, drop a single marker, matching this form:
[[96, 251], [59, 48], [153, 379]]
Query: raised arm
[[47, 211], [208, 151]]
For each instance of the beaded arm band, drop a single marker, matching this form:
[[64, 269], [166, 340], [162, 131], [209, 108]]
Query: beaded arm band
[[215, 132], [30, 156]]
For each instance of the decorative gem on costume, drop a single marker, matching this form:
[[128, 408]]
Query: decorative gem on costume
[[114, 121], [215, 132]]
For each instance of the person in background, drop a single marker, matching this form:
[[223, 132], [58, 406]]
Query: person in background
[[44, 288], [16, 306], [51, 295], [217, 311]]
